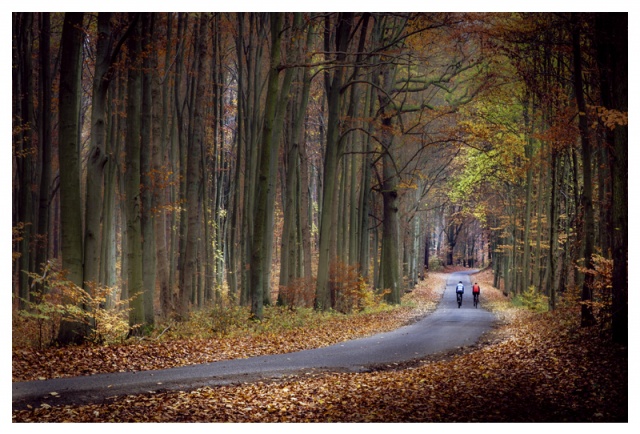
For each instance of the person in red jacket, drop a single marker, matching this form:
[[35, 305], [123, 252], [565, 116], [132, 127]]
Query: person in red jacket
[[475, 289]]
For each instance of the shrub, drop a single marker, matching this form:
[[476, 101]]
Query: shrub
[[350, 291], [222, 319], [532, 300], [436, 264], [59, 298], [300, 292]]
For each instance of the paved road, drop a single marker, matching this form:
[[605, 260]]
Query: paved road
[[447, 328]]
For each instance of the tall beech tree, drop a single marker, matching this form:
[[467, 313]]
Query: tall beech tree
[[193, 174], [45, 139], [146, 154], [26, 150], [161, 145], [587, 188], [106, 55], [259, 245], [340, 34], [135, 283], [69, 162]]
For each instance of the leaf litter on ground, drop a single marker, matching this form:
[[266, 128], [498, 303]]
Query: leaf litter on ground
[[534, 367], [315, 330]]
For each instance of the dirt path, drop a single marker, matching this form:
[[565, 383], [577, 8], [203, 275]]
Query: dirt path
[[448, 328]]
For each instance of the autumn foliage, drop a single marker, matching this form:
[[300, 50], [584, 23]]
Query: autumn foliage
[[55, 299]]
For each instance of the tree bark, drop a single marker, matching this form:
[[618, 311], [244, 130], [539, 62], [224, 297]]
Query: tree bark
[[612, 33], [587, 318], [258, 253], [390, 224], [97, 155], [334, 86], [526, 259], [70, 203], [25, 204], [146, 154], [193, 174], [132, 185], [45, 141], [160, 120]]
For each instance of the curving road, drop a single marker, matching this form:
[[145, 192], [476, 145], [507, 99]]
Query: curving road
[[447, 328]]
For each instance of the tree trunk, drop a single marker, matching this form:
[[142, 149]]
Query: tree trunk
[[553, 227], [526, 260], [252, 144], [45, 142], [365, 191], [132, 185], [278, 124], [147, 187], [193, 173], [612, 32], [97, 155], [587, 189], [289, 251], [265, 174], [160, 138], [70, 203], [233, 241], [390, 223], [109, 248], [306, 214], [334, 86], [25, 204]]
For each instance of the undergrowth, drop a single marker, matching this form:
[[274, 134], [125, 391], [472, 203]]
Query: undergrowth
[[105, 316]]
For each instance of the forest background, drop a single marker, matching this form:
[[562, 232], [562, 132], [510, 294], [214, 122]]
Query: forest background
[[500, 243], [416, 112]]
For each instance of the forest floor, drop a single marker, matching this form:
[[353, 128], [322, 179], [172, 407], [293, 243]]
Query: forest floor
[[533, 367]]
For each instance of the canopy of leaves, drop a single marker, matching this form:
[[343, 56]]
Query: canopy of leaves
[[493, 157]]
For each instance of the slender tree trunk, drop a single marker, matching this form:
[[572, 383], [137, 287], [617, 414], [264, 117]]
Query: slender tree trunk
[[526, 260], [289, 245], [132, 185], [537, 266], [193, 173], [181, 153], [252, 133], [365, 191], [16, 87], [146, 154], [587, 189], [265, 175], [97, 155], [278, 124], [25, 204], [553, 226], [109, 247], [159, 135], [45, 142], [343, 30], [233, 244], [306, 215], [70, 203], [390, 223], [178, 217]]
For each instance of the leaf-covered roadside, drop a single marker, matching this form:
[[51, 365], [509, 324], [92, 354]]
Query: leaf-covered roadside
[[315, 330], [539, 367]]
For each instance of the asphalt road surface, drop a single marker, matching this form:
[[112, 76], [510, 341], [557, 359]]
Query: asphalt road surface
[[447, 328]]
